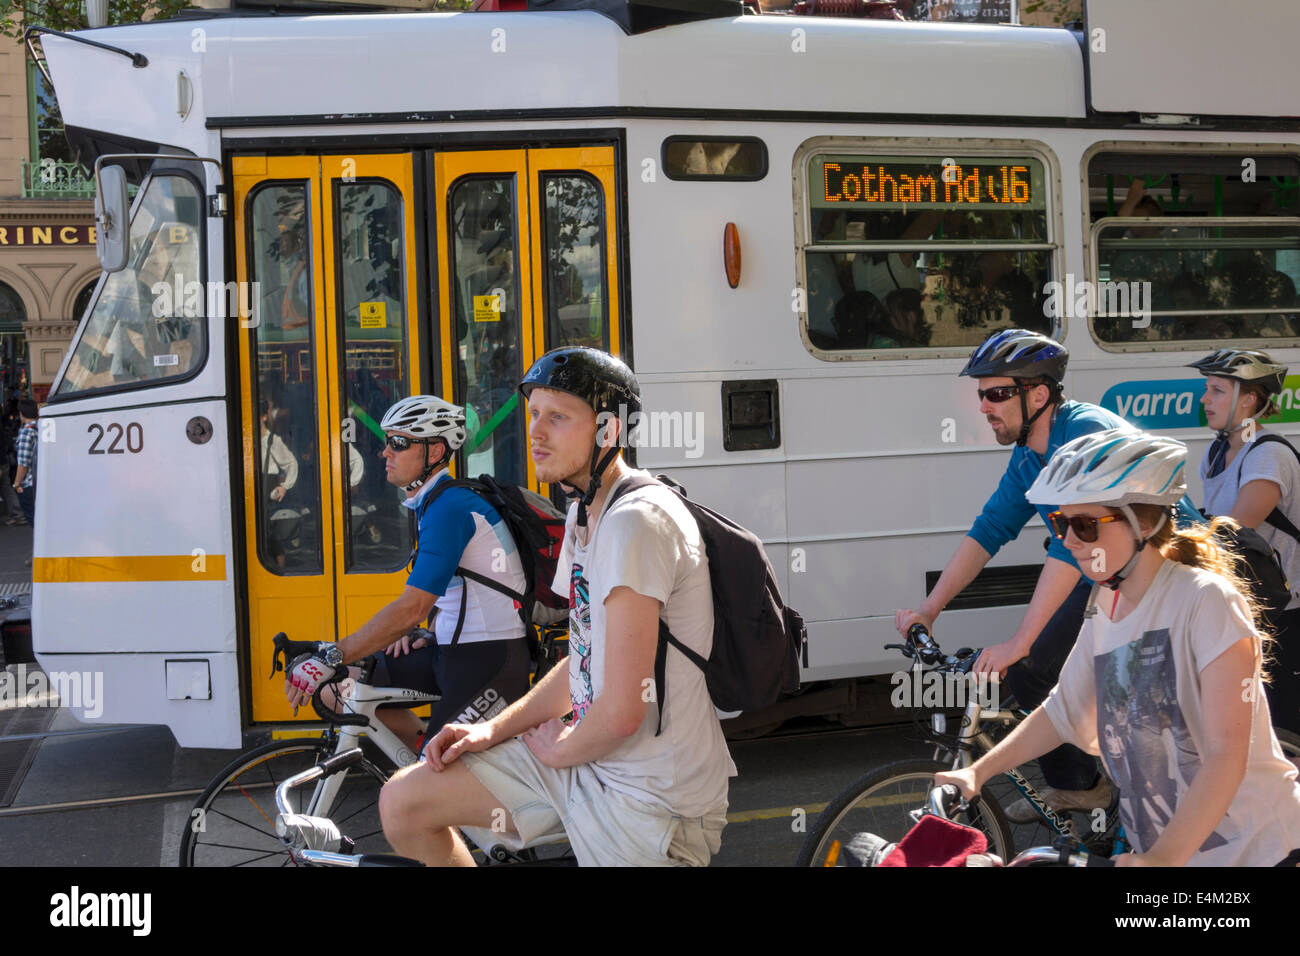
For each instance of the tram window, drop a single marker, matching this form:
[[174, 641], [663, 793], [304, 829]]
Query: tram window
[[283, 384], [923, 252], [372, 307], [147, 325], [712, 158], [487, 316], [1217, 251], [577, 301]]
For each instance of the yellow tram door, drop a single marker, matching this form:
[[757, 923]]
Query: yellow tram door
[[527, 262], [327, 245]]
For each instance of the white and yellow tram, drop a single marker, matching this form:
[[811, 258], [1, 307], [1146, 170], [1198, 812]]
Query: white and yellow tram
[[794, 228]]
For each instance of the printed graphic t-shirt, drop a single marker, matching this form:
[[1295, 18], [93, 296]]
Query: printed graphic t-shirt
[[1271, 461], [650, 543], [1130, 691]]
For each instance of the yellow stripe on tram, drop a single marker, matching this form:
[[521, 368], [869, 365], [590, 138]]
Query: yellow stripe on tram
[[144, 567]]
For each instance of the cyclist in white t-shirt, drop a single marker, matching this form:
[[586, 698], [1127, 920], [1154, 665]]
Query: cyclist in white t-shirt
[[1253, 478], [622, 793], [1166, 672]]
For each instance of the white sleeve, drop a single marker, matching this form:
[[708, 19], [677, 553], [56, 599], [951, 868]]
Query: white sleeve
[[1072, 703], [1222, 619], [285, 461], [356, 467], [639, 549]]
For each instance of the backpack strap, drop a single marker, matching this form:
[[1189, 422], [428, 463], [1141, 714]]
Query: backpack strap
[[1275, 517], [429, 499]]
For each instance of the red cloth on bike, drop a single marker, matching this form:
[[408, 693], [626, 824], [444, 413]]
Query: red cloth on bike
[[936, 842]]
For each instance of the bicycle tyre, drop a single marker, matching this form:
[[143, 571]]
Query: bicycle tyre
[[1290, 742], [233, 821], [898, 788]]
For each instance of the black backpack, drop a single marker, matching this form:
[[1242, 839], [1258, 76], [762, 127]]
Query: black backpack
[[537, 527], [758, 642]]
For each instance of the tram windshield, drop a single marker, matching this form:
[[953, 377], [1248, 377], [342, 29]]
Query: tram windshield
[[146, 325]]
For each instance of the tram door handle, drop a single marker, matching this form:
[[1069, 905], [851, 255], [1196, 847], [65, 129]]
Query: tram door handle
[[751, 414]]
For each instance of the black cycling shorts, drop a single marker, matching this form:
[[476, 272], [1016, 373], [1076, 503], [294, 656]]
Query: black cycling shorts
[[476, 681]]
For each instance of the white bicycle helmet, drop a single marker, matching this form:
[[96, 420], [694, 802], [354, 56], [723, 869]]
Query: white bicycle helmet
[[1116, 468], [1244, 365], [425, 418]]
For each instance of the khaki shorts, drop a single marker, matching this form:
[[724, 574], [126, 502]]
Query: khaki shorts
[[605, 827]]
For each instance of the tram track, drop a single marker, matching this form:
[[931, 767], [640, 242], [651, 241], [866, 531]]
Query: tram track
[[70, 806]]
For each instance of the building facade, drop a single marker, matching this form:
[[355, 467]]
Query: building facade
[[48, 266]]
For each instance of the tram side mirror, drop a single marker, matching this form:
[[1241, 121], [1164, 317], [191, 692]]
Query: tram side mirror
[[111, 218]]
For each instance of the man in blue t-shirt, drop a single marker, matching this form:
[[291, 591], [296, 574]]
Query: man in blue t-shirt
[[1019, 375], [478, 659]]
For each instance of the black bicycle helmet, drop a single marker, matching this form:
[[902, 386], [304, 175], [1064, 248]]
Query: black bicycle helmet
[[1019, 353], [603, 382]]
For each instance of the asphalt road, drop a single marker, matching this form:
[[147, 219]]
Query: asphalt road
[[114, 779]]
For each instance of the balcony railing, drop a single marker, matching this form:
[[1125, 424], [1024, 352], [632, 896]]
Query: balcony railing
[[55, 179]]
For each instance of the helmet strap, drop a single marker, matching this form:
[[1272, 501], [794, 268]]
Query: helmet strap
[[598, 466], [1027, 419], [429, 469], [1118, 577]]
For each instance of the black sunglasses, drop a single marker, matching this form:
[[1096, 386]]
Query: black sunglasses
[[401, 442], [1085, 528], [999, 393]]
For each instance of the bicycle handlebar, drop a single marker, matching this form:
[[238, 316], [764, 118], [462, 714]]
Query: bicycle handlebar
[[281, 646], [325, 768], [1065, 852]]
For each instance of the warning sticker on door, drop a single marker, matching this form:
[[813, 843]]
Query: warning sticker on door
[[487, 308], [373, 315]]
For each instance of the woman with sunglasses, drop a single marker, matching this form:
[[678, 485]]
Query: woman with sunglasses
[[1252, 475], [477, 657], [1171, 656]]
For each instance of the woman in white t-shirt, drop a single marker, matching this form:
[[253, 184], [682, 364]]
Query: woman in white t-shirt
[[1171, 657], [1251, 475]]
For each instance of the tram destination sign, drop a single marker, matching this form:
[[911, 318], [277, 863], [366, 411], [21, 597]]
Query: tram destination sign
[[923, 183]]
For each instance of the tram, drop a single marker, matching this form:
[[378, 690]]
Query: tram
[[794, 228]]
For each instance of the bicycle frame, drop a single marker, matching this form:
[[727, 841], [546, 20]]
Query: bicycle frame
[[364, 700], [972, 735]]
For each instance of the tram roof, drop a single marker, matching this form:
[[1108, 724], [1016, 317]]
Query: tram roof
[[410, 65]]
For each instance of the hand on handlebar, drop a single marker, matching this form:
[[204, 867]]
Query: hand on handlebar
[[305, 673], [963, 780], [998, 657], [405, 644], [906, 617], [453, 740]]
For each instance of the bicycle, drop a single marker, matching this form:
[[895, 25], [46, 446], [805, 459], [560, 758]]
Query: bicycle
[[880, 801], [926, 847], [233, 822]]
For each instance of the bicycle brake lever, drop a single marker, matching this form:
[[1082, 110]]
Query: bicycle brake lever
[[276, 651]]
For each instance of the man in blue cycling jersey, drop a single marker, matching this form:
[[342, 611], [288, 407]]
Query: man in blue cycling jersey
[[1019, 374], [479, 660]]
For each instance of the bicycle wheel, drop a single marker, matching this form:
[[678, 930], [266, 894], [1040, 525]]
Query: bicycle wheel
[[233, 822], [1290, 742], [881, 803]]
